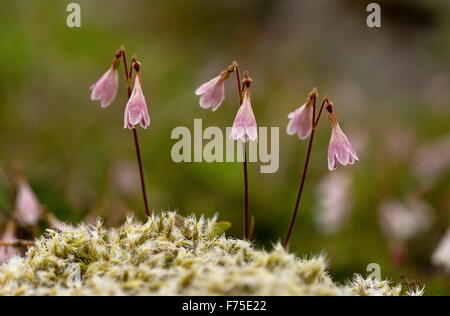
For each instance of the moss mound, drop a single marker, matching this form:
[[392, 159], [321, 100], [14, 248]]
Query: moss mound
[[166, 256]]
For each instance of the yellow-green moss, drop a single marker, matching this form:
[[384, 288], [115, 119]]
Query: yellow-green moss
[[167, 257]]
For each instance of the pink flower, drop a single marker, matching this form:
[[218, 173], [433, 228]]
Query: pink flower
[[105, 89], [340, 150], [301, 121], [404, 221], [6, 253], [136, 111], [441, 256], [244, 126], [28, 209], [212, 92], [334, 201]]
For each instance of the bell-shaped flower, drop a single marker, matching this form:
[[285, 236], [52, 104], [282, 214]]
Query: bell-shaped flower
[[28, 210], [105, 89], [212, 93], [301, 121], [136, 111], [339, 150], [244, 126]]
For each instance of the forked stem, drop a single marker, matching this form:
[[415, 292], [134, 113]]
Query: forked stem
[[315, 122], [245, 165]]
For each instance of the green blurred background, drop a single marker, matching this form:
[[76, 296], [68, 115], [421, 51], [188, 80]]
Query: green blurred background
[[390, 86]]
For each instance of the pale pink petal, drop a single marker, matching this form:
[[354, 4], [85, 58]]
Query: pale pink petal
[[339, 150], [300, 121], [105, 89], [136, 111], [252, 133], [237, 133], [331, 161], [212, 93], [244, 126], [207, 86]]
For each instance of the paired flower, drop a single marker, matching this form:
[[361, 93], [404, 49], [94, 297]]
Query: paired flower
[[301, 120], [340, 150], [105, 89], [244, 126], [304, 122], [136, 111], [212, 93], [28, 209]]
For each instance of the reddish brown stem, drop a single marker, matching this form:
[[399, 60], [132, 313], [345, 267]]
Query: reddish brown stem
[[246, 212], [141, 171], [315, 122]]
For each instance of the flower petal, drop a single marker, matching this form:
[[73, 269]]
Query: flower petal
[[136, 111]]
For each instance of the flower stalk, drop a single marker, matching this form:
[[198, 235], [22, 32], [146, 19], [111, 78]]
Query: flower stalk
[[128, 73], [314, 123], [244, 144], [212, 94]]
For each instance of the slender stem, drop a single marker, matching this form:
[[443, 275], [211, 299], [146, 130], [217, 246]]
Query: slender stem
[[238, 81], [128, 75], [324, 103], [246, 213], [141, 171], [305, 171]]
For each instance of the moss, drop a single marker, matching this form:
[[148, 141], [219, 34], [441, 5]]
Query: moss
[[166, 257]]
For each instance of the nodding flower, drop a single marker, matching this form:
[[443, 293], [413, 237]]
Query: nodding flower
[[212, 93], [105, 89], [136, 111], [340, 150], [8, 252], [301, 120], [28, 210], [244, 126]]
